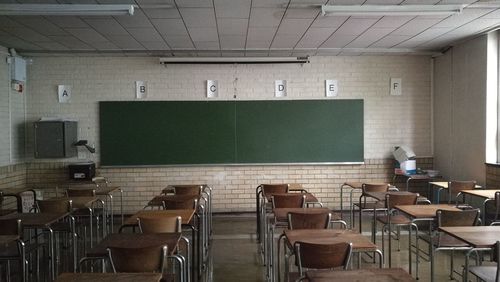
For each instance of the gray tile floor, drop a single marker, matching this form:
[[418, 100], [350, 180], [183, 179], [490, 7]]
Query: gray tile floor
[[236, 258]]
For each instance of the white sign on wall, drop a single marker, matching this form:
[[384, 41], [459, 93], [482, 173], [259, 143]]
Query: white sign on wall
[[396, 85], [212, 89], [331, 88], [279, 88], [141, 89], [64, 93]]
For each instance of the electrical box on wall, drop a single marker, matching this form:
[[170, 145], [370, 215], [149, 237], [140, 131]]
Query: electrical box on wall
[[55, 139], [18, 69]]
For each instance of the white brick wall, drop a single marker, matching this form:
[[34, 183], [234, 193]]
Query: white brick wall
[[389, 120]]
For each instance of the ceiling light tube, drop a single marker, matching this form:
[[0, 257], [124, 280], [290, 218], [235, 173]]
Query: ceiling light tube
[[233, 60], [66, 10], [391, 10]]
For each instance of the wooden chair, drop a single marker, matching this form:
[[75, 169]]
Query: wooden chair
[[364, 206], [289, 200], [133, 259], [321, 256], [82, 214], [444, 242], [455, 189], [168, 224], [187, 189], [185, 204], [263, 194], [493, 211], [13, 252], [392, 218], [64, 227], [489, 273], [298, 220]]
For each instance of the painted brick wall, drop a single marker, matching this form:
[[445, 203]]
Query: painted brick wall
[[389, 120]]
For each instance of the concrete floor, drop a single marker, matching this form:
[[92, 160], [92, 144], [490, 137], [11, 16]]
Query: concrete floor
[[236, 258]]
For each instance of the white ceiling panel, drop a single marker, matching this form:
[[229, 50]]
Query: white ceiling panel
[[198, 17], [203, 34], [8, 40], [391, 21], [261, 34], [266, 17], [493, 15], [155, 45], [138, 20], [423, 37], [390, 41], [302, 13], [236, 9], [232, 26], [463, 18], [6, 22], [207, 45], [126, 42], [145, 34], [355, 26], [194, 3], [294, 26], [179, 42], [170, 27], [86, 35], [71, 42], [329, 21], [52, 46], [258, 44], [269, 3], [75, 22], [41, 25], [24, 32], [285, 41], [338, 40], [232, 41], [415, 26], [314, 37], [369, 37], [106, 45], [162, 13], [107, 26]]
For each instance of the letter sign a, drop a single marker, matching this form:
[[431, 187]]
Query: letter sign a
[[64, 93]]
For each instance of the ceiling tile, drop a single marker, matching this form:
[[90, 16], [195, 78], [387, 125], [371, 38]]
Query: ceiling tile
[[170, 27], [294, 26], [269, 3], [466, 16], [390, 41], [239, 9], [28, 33], [338, 40], [394, 22], [423, 37], [145, 34], [162, 13], [232, 26], [67, 21], [285, 41], [207, 45], [179, 42], [7, 22], [8, 40], [52, 46], [153, 2], [41, 25], [71, 42], [194, 3], [266, 17], [104, 45], [314, 37], [302, 13], [329, 21], [203, 34], [258, 44], [139, 19], [232, 41], [355, 26], [198, 17], [107, 26], [155, 45], [369, 37], [261, 33], [126, 42], [87, 35], [415, 26]]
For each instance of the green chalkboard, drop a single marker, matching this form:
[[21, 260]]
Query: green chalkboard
[[230, 132]]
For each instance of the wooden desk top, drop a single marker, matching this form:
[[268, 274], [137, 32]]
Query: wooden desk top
[[281, 214], [444, 184], [7, 239], [486, 194], [369, 274], [108, 277], [79, 202], [310, 198], [36, 220], [135, 240], [354, 185], [331, 236], [425, 211], [186, 215], [175, 198], [381, 195], [476, 236], [14, 191]]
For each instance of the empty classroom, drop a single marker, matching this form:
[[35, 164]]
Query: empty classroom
[[249, 140]]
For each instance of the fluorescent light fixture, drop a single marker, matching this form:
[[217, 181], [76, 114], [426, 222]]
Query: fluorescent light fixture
[[66, 10], [391, 10], [234, 60]]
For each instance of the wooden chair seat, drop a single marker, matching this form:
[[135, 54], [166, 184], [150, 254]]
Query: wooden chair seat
[[395, 219]]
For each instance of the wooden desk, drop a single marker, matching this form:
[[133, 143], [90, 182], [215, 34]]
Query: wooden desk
[[310, 198], [281, 214], [380, 196], [481, 238], [159, 200], [443, 185], [41, 221], [109, 277], [370, 274], [413, 177], [7, 239], [487, 194], [16, 192], [359, 242], [186, 216]]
